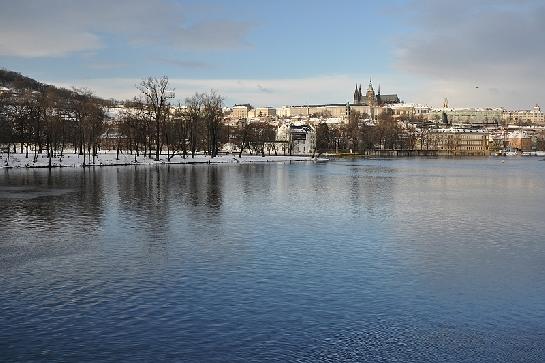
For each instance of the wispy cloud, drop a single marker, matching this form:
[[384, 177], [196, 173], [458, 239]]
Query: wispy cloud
[[189, 64], [106, 65], [264, 89]]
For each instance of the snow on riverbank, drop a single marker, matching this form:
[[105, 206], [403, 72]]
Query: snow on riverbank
[[110, 159]]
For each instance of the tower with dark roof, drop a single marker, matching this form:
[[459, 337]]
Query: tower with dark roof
[[371, 97]]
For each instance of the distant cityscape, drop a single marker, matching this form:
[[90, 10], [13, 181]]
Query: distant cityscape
[[434, 131], [372, 123]]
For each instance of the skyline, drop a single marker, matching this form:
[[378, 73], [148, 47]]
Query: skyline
[[271, 54]]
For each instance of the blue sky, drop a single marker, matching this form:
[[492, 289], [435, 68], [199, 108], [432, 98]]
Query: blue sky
[[486, 53]]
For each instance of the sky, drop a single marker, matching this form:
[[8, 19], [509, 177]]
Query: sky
[[486, 53]]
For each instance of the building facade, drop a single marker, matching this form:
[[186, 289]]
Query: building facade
[[409, 110], [532, 117], [262, 112], [240, 112], [455, 142], [520, 140]]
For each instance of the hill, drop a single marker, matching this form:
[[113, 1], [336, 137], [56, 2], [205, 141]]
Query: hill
[[18, 82]]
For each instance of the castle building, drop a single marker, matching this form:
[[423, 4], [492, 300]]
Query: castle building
[[372, 99]]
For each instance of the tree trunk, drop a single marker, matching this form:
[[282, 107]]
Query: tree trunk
[[158, 136]]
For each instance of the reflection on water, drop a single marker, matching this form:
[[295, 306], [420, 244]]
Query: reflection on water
[[38, 209], [359, 260]]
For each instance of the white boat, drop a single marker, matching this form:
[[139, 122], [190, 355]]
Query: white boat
[[508, 152], [533, 153]]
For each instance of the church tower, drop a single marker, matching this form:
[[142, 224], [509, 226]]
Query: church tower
[[371, 97]]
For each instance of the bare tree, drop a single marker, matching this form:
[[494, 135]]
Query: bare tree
[[213, 116], [181, 123], [261, 133], [241, 135], [322, 137], [388, 132], [156, 95], [79, 106], [132, 127], [93, 125], [194, 106]]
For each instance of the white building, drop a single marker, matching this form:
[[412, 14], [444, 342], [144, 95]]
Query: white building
[[408, 110], [534, 116], [301, 138], [468, 116]]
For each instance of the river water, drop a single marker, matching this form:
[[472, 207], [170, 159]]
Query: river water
[[409, 260]]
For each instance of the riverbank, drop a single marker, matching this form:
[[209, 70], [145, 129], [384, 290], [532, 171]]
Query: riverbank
[[112, 159], [427, 153]]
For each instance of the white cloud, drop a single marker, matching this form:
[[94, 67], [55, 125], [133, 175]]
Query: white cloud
[[31, 28], [210, 35], [40, 44], [486, 53], [318, 89]]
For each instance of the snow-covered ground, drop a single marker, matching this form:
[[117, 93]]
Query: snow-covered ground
[[110, 159]]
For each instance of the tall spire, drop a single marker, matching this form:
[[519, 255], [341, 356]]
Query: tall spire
[[357, 94], [378, 91]]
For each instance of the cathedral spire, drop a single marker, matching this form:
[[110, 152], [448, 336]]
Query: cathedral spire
[[357, 94]]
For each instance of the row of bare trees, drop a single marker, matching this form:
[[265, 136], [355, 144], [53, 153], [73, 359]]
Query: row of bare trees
[[50, 119], [55, 120], [359, 135], [150, 124]]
